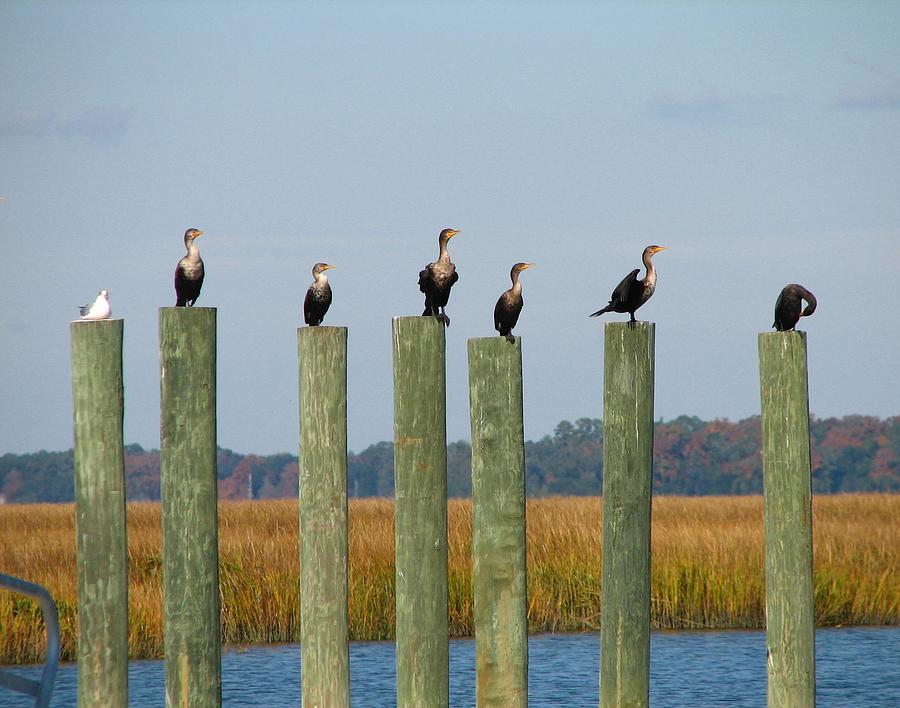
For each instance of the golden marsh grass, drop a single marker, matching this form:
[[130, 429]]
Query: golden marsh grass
[[707, 567]]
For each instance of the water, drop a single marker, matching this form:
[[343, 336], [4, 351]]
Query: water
[[854, 667]]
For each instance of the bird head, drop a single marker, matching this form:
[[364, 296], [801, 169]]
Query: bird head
[[104, 293], [321, 268], [519, 267], [652, 250], [447, 234], [191, 234]]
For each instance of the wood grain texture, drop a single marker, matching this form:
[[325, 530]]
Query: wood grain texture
[[191, 627], [324, 626], [790, 619], [420, 483], [499, 580], [628, 378], [101, 541]]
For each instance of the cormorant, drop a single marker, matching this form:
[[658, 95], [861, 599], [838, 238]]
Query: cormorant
[[509, 304], [437, 278], [631, 293], [189, 272], [787, 307], [318, 297], [99, 309]]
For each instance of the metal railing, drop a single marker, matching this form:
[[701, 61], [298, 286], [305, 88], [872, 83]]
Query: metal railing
[[42, 689]]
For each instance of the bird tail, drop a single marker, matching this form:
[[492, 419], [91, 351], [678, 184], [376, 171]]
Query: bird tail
[[600, 312]]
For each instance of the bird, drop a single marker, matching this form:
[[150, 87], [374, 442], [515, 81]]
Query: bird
[[318, 297], [631, 293], [509, 304], [787, 307], [189, 272], [99, 309], [436, 279]]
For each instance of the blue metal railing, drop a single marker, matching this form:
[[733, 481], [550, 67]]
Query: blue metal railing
[[42, 689]]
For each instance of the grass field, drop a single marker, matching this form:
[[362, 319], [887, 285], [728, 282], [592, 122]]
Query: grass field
[[707, 568]]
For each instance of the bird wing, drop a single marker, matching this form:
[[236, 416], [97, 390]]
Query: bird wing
[[454, 277], [620, 294], [498, 312], [425, 278], [307, 309]]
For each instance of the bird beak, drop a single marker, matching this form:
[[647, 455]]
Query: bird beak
[[661, 248], [199, 232], [329, 267], [528, 265], [453, 232]]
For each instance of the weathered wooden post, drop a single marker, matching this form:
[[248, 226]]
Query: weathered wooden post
[[627, 481], [192, 633], [101, 542], [499, 579], [324, 625], [420, 483], [790, 617]]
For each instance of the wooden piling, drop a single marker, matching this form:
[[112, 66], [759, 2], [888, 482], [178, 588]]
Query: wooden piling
[[100, 536], [499, 581], [420, 522], [191, 626], [324, 624], [790, 617], [627, 482]]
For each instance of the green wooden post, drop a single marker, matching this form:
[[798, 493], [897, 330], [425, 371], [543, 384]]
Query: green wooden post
[[790, 617], [100, 538], [324, 625], [420, 482], [498, 522], [192, 633], [627, 482]]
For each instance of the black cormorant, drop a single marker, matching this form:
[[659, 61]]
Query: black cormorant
[[787, 307], [189, 272], [437, 278], [509, 304], [631, 293], [318, 297], [99, 309]]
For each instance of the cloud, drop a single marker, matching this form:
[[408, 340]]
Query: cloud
[[26, 123], [881, 92], [712, 107], [886, 98], [98, 124], [708, 106]]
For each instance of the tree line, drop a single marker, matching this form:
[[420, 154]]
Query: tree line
[[691, 457]]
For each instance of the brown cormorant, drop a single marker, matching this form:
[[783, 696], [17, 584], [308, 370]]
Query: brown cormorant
[[437, 278], [509, 304], [189, 272], [99, 309], [631, 293], [787, 307], [318, 297]]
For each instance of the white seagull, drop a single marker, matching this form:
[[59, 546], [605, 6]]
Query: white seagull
[[99, 309]]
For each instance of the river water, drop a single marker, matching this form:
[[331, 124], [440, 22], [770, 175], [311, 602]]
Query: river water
[[854, 667]]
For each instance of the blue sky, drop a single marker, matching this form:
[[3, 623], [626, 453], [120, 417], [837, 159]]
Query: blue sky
[[760, 142]]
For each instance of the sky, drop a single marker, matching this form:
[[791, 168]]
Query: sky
[[759, 142]]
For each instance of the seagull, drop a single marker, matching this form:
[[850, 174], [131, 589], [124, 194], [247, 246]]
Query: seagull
[[99, 309]]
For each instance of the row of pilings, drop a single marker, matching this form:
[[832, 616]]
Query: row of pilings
[[192, 641]]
